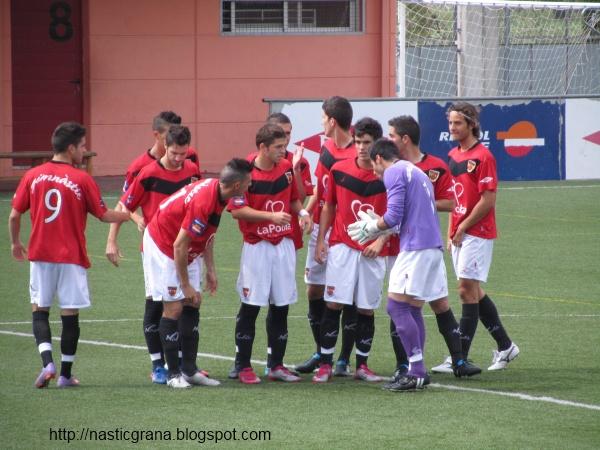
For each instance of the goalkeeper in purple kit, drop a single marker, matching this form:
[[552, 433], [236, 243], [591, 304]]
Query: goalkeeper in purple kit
[[419, 273]]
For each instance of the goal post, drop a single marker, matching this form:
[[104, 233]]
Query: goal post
[[478, 48]]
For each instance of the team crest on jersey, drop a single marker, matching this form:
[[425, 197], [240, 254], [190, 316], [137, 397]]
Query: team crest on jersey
[[433, 175], [471, 165], [129, 200], [172, 290], [246, 292], [330, 290], [197, 227], [288, 175]]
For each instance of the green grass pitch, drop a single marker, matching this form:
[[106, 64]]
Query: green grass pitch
[[545, 279]]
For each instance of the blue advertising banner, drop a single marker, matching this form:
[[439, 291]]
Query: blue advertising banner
[[526, 137]]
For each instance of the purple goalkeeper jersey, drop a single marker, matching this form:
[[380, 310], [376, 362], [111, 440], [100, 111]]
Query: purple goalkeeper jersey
[[411, 207]]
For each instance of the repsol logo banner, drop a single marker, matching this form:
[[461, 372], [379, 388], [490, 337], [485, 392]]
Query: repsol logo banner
[[526, 137]]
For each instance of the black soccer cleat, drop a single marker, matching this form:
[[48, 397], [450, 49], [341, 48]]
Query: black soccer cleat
[[309, 365], [406, 383], [466, 369]]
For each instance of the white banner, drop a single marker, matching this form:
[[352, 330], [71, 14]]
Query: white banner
[[582, 139]]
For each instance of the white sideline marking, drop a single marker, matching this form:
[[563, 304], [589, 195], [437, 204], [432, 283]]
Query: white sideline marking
[[428, 316], [128, 346], [518, 395]]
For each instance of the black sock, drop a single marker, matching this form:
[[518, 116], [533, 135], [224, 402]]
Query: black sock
[[268, 321], [450, 329], [42, 334], [245, 329], [349, 320], [278, 332], [488, 314], [401, 356], [468, 326], [169, 336], [68, 343], [330, 326], [315, 316], [189, 323], [152, 314], [365, 331]]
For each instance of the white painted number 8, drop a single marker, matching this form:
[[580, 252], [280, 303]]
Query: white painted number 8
[[55, 208]]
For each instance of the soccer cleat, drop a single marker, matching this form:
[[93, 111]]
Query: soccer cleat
[[178, 382], [48, 373], [342, 369], [406, 383], [465, 368], [247, 376], [365, 374], [200, 379], [501, 359], [282, 373], [64, 382], [445, 367], [234, 372], [159, 375], [323, 374], [309, 365], [399, 372]]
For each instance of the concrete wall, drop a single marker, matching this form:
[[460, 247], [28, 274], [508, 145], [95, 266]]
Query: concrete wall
[[144, 56]]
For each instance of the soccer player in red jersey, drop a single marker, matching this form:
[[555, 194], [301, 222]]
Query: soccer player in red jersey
[[59, 197], [404, 131], [268, 260], [336, 120], [355, 272], [181, 231], [155, 182], [472, 230]]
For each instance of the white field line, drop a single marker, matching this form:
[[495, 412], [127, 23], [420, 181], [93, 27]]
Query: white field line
[[428, 316], [517, 395]]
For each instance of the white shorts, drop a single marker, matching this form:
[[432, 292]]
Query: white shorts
[[352, 278], [146, 282], [420, 274], [314, 273], [161, 273], [67, 281], [268, 274], [472, 260]]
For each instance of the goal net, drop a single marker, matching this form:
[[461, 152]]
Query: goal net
[[471, 48]]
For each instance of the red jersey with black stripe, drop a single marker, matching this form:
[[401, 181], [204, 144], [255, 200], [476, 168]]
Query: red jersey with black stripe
[[474, 172], [271, 190], [330, 154], [352, 189], [195, 208], [439, 175], [308, 189], [154, 183], [59, 197], [146, 158]]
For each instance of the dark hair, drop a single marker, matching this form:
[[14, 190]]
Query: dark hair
[[469, 112], [406, 126], [235, 170], [278, 118], [164, 119], [369, 126], [340, 109], [65, 134], [268, 133], [384, 148], [178, 135]]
